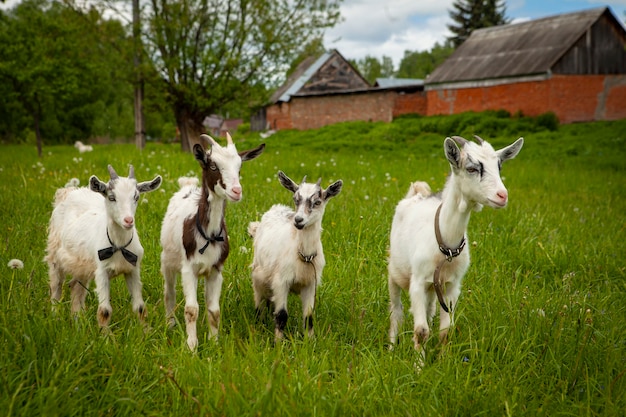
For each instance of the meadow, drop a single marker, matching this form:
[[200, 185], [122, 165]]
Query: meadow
[[540, 328]]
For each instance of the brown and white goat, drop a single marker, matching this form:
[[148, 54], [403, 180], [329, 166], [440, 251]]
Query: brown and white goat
[[194, 236], [427, 254], [288, 253]]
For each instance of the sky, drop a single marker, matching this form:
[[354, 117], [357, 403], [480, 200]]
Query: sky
[[391, 27]]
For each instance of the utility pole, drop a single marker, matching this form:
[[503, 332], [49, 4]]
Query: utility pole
[[140, 127]]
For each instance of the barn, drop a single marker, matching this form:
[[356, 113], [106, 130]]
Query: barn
[[571, 64], [328, 89]]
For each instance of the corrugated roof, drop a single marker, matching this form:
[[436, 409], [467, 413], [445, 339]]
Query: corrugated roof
[[512, 50], [304, 77], [397, 82]]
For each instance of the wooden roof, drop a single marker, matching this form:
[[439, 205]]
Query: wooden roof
[[527, 48], [328, 73]]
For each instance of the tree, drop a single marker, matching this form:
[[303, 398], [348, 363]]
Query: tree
[[371, 68], [56, 71], [469, 15], [210, 54], [416, 64]]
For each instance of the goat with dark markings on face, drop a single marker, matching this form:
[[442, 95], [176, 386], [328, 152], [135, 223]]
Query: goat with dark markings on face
[[194, 236], [428, 235], [288, 253]]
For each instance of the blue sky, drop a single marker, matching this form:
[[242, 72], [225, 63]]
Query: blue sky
[[388, 28]]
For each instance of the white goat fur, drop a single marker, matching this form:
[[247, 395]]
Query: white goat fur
[[78, 230], [82, 148], [221, 166], [414, 252], [288, 252]]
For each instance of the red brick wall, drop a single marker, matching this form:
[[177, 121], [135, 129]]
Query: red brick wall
[[316, 111], [407, 103], [573, 98], [278, 116]]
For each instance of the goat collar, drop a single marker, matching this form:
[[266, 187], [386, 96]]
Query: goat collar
[[307, 258], [106, 253], [209, 239], [449, 254]]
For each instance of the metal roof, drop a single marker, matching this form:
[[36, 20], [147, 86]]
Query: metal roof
[[397, 82], [514, 50]]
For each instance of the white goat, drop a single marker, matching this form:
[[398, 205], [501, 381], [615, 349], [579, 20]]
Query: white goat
[[288, 254], [428, 235], [92, 234], [82, 148], [194, 236]]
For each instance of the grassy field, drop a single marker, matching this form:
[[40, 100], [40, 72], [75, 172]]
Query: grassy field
[[540, 327]]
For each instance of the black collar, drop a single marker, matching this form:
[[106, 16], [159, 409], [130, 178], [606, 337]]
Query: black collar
[[449, 253], [307, 258], [209, 240], [106, 253]]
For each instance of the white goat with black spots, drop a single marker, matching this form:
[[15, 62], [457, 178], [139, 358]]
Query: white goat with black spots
[[288, 253], [92, 235], [194, 236], [427, 255]]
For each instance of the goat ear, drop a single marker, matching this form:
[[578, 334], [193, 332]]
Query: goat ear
[[510, 151], [200, 154], [333, 189], [453, 153], [287, 182], [252, 153], [98, 186], [146, 186]]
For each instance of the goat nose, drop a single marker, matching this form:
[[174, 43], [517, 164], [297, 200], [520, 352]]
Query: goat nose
[[128, 221], [236, 189], [298, 219], [502, 195]]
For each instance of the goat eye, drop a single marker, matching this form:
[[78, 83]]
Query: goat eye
[[317, 203], [472, 170], [111, 197], [136, 197]]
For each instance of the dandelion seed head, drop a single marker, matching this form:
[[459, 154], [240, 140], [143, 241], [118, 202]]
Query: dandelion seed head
[[15, 264]]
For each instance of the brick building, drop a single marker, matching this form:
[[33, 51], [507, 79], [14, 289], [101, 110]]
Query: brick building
[[571, 64], [329, 90]]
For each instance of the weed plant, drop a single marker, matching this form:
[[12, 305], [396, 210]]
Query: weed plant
[[540, 328]]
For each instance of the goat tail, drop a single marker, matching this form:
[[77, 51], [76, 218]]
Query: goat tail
[[61, 194], [252, 228], [419, 188]]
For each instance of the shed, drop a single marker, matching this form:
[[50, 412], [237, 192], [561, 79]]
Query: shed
[[572, 64], [328, 89]]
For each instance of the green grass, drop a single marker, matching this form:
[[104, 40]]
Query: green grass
[[540, 328]]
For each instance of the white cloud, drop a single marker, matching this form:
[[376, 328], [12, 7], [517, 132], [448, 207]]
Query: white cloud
[[390, 28]]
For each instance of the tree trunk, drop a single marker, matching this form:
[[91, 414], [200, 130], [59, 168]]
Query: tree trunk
[[36, 118], [190, 130], [140, 126]]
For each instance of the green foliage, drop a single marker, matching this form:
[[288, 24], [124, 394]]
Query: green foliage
[[469, 15], [416, 64], [540, 328], [371, 68]]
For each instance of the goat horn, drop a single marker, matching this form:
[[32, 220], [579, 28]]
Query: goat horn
[[131, 172], [229, 139], [479, 139], [319, 181], [209, 140], [112, 173], [459, 140], [303, 180]]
